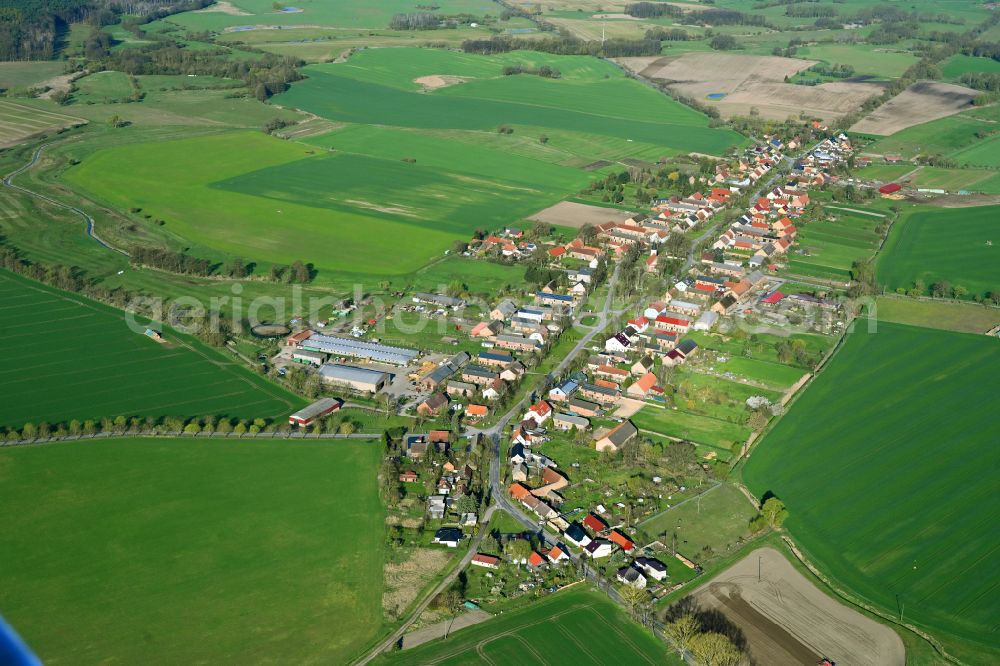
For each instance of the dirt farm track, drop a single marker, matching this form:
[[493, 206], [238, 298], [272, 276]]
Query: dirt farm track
[[788, 620]]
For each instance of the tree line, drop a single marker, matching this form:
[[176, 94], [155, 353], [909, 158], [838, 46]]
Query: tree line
[[612, 48]]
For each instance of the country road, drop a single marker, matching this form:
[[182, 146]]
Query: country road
[[8, 181]]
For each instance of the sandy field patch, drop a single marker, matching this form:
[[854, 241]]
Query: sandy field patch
[[748, 81], [435, 81], [628, 407], [404, 581], [920, 103], [788, 620], [571, 214], [439, 629], [223, 7]]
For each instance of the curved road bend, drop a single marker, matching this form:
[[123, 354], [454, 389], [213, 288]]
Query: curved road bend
[[8, 181]]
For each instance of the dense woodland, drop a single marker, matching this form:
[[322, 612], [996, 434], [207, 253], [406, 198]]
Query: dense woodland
[[33, 29]]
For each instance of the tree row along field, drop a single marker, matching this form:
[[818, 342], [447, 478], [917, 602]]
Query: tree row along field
[[72, 358], [883, 464], [143, 550]]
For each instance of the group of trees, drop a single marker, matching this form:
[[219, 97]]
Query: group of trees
[[415, 21], [707, 635], [544, 71], [179, 262]]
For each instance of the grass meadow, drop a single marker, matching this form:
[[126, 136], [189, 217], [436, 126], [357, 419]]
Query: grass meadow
[[22, 75], [970, 138], [832, 247], [192, 551], [957, 65], [945, 244], [946, 315], [888, 487], [107, 87], [574, 627], [716, 521], [71, 358]]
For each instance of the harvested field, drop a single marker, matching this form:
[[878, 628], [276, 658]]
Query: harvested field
[[18, 122], [788, 620], [920, 103], [747, 81], [571, 214], [443, 628], [223, 7]]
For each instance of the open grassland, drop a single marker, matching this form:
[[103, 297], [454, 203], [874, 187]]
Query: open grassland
[[828, 249], [106, 87], [249, 194], [875, 61], [712, 524], [949, 244], [19, 122], [970, 138], [70, 358], [192, 551], [949, 316], [28, 74], [954, 180], [689, 426], [591, 98], [959, 64], [883, 466], [339, 13], [578, 626]]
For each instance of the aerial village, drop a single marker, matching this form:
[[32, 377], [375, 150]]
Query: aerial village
[[440, 470]]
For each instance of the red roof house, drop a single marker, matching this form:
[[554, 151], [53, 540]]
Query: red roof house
[[890, 188], [594, 523], [623, 541]]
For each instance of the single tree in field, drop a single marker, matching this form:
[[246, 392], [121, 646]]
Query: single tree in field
[[633, 598], [346, 428], [774, 512]]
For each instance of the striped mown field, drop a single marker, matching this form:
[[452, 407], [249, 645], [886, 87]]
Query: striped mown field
[[18, 122], [70, 358]]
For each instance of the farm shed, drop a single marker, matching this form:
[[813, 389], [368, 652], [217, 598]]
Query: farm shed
[[309, 357], [317, 410], [359, 379], [371, 351], [890, 188]]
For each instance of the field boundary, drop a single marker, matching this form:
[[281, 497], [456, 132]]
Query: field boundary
[[132, 434], [859, 603]]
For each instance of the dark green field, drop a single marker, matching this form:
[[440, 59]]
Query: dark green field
[[949, 244], [179, 551], [886, 464], [71, 358], [574, 627]]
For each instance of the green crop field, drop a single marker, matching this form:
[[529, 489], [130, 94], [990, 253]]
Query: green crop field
[[592, 98], [192, 551], [887, 486], [946, 315], [573, 627], [963, 137], [70, 358], [959, 64], [272, 200], [947, 244], [878, 62], [337, 13]]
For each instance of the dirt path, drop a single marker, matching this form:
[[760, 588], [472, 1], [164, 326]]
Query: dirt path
[[441, 629], [788, 620]]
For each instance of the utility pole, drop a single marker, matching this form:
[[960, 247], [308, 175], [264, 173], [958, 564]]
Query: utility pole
[[603, 26], [758, 568]]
